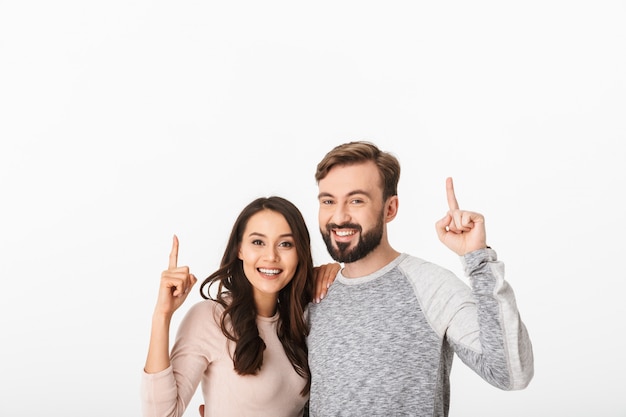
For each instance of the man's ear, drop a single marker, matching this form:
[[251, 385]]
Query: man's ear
[[391, 208]]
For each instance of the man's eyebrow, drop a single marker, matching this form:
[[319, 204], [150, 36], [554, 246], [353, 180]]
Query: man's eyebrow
[[350, 194]]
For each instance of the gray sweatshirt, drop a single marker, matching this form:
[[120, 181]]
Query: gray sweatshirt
[[383, 344]]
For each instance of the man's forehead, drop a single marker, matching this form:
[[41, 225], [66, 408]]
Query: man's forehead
[[349, 180]]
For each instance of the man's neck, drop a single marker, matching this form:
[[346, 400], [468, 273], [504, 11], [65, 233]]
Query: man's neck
[[374, 261]]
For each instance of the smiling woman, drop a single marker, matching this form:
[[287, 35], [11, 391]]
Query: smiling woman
[[254, 325], [269, 258]]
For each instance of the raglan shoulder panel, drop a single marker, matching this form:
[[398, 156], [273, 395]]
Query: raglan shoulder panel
[[443, 297]]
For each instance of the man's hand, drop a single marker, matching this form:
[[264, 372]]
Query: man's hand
[[461, 231]]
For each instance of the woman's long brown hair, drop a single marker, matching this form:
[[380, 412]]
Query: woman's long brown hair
[[235, 294]]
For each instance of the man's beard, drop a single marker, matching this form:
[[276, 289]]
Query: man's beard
[[366, 244]]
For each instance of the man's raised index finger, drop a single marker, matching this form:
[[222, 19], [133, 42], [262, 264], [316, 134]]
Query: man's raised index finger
[[174, 253], [452, 203]]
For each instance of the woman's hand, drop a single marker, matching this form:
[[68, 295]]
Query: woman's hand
[[324, 275], [176, 282]]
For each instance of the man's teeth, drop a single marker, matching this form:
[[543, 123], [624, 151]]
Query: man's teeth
[[269, 271], [345, 233]]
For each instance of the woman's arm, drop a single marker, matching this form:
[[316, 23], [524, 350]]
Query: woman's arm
[[176, 282]]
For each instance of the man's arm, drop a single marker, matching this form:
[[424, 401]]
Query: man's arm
[[486, 333]]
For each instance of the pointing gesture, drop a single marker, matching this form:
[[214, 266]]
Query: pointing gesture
[[174, 253], [461, 231], [176, 282]]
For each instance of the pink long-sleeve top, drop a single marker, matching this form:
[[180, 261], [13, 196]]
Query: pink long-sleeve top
[[201, 354]]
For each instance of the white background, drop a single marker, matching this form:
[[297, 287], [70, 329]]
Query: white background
[[124, 122]]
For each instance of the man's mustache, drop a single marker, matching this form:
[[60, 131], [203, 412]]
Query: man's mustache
[[331, 226]]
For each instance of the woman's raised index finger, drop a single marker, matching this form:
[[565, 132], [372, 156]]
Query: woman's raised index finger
[[174, 253], [452, 203]]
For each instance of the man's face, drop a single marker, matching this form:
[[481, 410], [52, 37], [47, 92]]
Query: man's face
[[351, 217]]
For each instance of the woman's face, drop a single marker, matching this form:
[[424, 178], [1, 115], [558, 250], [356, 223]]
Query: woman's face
[[269, 256]]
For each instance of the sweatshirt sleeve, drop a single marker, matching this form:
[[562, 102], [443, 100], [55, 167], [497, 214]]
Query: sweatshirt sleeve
[[168, 392], [497, 346]]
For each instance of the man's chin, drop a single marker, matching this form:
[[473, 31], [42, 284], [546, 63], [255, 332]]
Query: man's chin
[[342, 249], [343, 256]]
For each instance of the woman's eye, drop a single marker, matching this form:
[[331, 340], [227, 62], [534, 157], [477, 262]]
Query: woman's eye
[[286, 244], [257, 242]]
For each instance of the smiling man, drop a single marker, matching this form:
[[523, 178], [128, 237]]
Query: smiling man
[[383, 339]]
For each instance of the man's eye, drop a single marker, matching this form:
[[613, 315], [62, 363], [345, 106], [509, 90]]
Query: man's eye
[[327, 202]]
